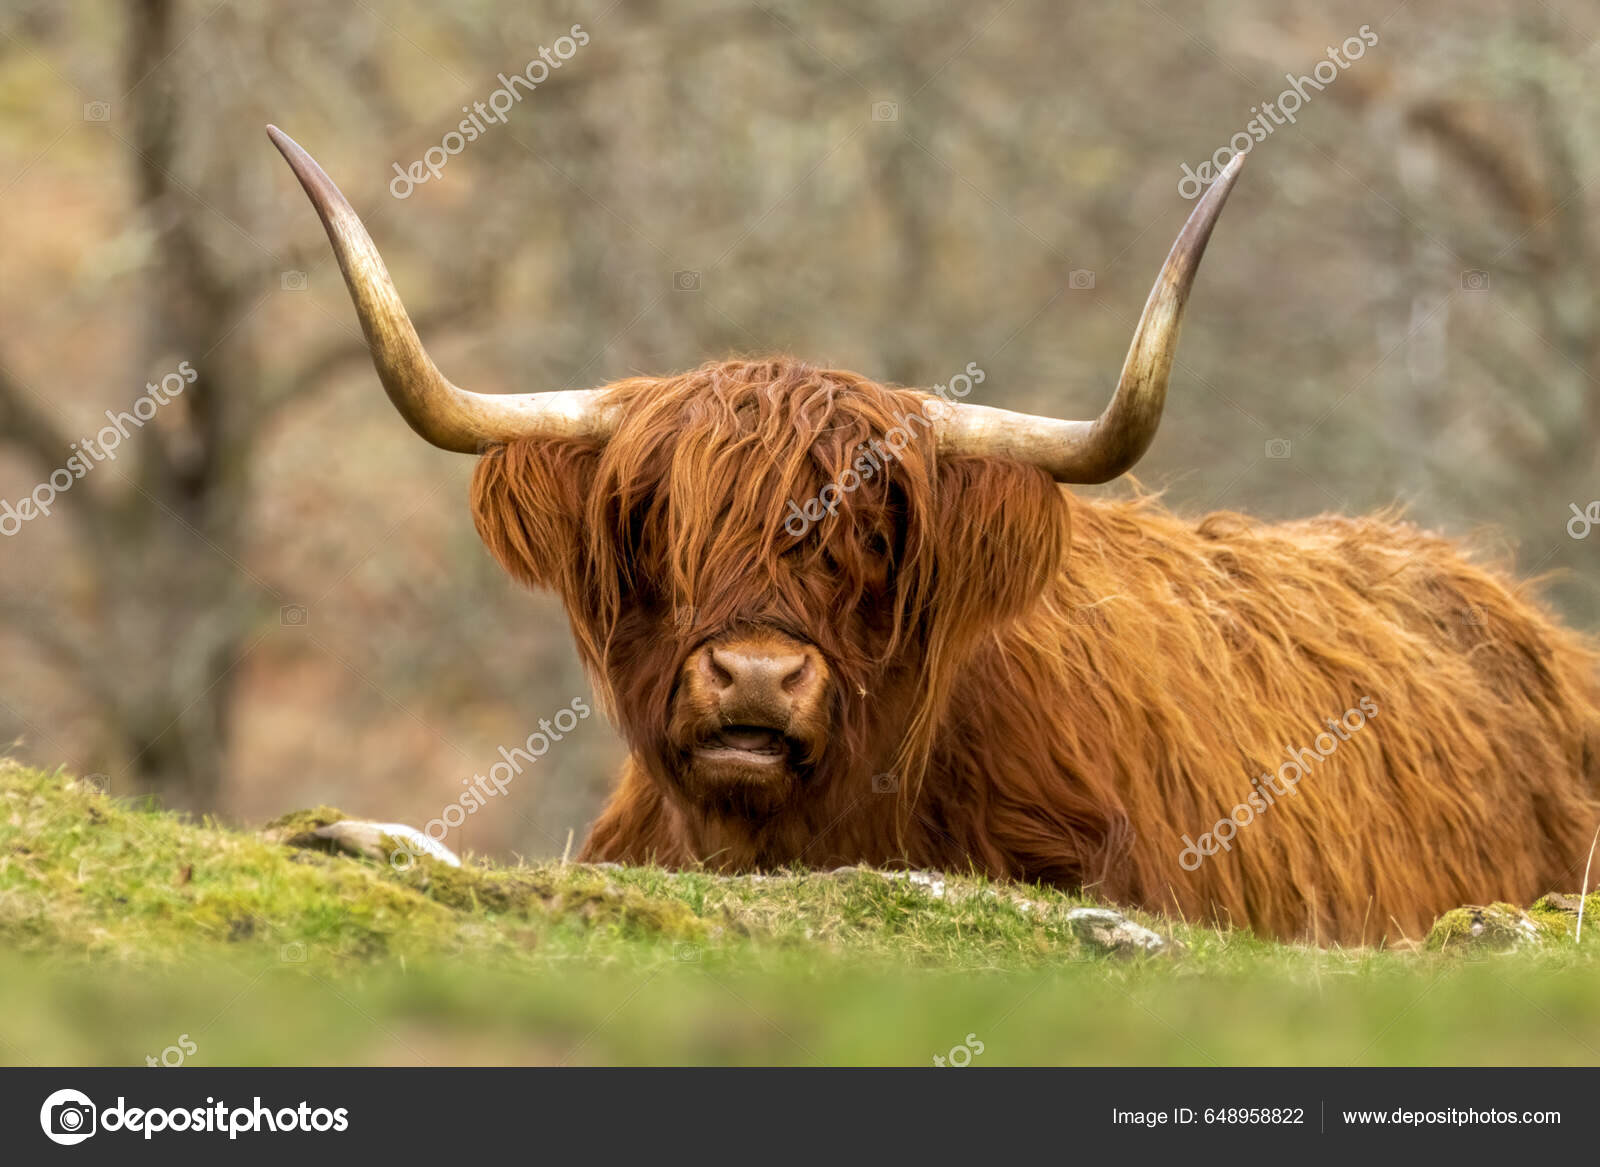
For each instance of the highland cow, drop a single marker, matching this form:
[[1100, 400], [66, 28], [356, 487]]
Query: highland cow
[[959, 664]]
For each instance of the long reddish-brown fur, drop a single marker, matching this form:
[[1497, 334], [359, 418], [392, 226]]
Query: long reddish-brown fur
[[1062, 689]]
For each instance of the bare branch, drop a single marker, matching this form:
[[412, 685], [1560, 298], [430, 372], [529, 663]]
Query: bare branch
[[25, 425]]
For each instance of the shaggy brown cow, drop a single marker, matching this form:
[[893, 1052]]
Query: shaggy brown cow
[[957, 664]]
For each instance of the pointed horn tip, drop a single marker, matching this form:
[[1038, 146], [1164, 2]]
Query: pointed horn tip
[[286, 145], [306, 168], [1229, 175], [324, 192]]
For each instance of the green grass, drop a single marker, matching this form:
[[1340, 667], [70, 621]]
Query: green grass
[[124, 932]]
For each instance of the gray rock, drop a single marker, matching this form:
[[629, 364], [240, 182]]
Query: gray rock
[[1113, 932]]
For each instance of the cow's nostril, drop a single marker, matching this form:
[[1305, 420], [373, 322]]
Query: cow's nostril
[[718, 665], [800, 670]]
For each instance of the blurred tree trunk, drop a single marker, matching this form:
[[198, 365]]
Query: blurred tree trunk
[[176, 601], [164, 602]]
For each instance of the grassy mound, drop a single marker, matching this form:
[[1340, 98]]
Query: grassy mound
[[125, 930]]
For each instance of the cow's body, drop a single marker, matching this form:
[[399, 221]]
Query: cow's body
[[1128, 712]]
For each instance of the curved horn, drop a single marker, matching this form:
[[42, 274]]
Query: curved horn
[[1099, 450], [450, 418]]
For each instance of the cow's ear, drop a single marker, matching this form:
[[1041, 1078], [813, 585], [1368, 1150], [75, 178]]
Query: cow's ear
[[528, 500], [1001, 534], [996, 538]]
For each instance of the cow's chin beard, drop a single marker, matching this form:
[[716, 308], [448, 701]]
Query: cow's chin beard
[[743, 772]]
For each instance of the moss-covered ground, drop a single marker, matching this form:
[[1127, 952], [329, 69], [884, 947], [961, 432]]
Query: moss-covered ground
[[127, 935]]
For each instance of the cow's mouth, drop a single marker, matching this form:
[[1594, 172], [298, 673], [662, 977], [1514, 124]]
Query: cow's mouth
[[751, 745]]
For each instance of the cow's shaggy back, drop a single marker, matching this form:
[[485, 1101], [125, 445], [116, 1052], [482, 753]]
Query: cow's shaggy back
[[1175, 665]]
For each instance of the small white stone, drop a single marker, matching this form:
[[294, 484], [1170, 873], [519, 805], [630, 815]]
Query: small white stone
[[366, 838]]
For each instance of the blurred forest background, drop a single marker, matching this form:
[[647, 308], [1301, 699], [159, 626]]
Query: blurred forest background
[[273, 595]]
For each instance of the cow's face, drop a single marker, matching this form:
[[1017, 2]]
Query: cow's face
[[769, 574]]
